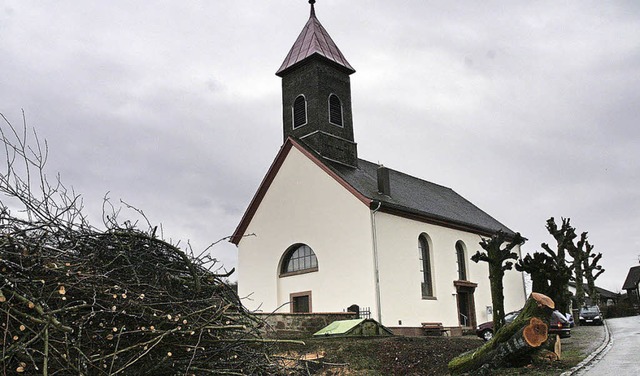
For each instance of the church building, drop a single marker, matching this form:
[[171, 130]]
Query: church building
[[327, 230]]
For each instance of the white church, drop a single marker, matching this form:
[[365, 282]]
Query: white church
[[330, 230]]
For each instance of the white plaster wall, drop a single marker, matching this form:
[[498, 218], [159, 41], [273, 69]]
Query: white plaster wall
[[305, 205], [400, 276]]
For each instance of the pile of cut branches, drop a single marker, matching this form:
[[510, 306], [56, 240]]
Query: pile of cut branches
[[78, 300]]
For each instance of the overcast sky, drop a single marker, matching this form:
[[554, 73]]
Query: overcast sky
[[529, 109]]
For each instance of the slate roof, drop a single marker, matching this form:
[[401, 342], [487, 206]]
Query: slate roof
[[604, 293], [314, 40], [415, 197], [633, 278]]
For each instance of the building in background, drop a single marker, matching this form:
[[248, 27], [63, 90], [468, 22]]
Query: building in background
[[632, 285]]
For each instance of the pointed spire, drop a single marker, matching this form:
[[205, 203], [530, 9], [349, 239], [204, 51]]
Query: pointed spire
[[313, 40], [313, 9]]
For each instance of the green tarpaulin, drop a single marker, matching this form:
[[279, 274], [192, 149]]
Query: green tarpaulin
[[355, 327]]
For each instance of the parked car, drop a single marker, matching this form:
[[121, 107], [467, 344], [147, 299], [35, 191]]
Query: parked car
[[558, 324], [569, 317], [485, 331], [591, 315]]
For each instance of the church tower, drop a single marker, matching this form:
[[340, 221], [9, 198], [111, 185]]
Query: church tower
[[316, 95]]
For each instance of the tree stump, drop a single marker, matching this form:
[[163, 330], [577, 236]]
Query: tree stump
[[514, 344], [551, 350]]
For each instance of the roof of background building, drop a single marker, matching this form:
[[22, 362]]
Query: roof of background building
[[604, 293], [633, 278]]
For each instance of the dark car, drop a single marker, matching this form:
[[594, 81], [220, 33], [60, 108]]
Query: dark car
[[558, 324], [591, 315]]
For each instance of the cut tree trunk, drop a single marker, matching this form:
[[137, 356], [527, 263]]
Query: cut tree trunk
[[514, 344], [557, 347], [551, 350]]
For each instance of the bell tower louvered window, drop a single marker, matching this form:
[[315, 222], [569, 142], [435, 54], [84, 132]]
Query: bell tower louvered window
[[299, 111], [335, 110]]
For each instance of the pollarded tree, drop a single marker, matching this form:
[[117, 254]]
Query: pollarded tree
[[590, 266], [579, 254], [498, 259], [551, 272], [541, 268], [585, 263], [559, 282]]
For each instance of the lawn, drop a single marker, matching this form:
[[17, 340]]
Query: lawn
[[423, 355]]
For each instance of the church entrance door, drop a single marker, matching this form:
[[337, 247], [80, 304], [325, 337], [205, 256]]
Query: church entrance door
[[466, 303]]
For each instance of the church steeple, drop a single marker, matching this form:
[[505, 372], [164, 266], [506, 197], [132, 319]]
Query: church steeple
[[314, 39], [316, 94]]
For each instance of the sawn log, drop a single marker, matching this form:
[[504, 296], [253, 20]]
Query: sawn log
[[513, 344]]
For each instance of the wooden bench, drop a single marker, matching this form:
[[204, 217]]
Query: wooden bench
[[433, 329]]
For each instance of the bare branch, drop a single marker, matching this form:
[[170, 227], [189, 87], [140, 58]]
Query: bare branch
[[80, 300]]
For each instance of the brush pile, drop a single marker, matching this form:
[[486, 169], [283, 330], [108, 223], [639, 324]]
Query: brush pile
[[76, 300]]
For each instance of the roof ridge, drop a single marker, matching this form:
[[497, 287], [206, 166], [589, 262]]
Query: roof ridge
[[409, 175]]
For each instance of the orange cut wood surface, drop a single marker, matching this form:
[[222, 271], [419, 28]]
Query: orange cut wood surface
[[536, 332]]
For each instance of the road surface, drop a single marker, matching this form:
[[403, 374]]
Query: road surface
[[621, 358]]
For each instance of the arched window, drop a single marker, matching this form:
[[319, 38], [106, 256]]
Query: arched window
[[335, 110], [462, 261], [425, 263], [299, 258], [299, 111]]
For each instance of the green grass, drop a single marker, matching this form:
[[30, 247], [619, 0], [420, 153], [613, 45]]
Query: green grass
[[428, 355]]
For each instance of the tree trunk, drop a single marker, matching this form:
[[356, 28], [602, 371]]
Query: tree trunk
[[514, 344], [550, 351], [496, 275], [556, 346], [579, 277]]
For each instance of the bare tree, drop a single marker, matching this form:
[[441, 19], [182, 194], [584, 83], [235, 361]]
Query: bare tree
[[559, 282], [498, 259], [592, 270], [551, 271], [541, 268], [579, 253]]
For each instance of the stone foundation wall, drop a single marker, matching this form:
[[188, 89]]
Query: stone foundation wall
[[300, 325]]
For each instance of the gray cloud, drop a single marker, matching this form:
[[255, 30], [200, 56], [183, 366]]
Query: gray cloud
[[528, 109]]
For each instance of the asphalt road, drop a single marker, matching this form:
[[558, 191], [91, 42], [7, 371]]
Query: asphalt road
[[621, 358]]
